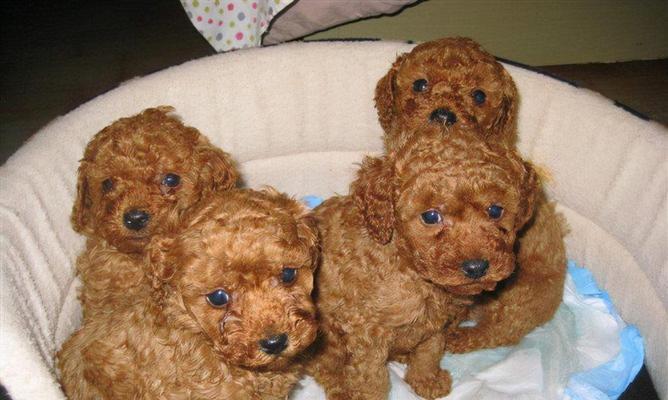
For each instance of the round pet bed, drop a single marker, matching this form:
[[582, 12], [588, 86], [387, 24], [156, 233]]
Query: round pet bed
[[298, 117]]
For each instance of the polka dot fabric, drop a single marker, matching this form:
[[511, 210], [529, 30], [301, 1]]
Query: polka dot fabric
[[233, 24]]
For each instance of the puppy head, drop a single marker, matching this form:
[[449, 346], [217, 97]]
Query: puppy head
[[447, 83], [140, 173], [241, 272], [454, 207]]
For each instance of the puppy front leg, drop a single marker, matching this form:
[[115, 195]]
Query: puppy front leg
[[424, 372], [489, 330], [365, 375], [504, 321]]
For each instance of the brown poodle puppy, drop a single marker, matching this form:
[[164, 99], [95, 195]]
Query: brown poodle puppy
[[529, 298], [453, 82], [447, 82], [228, 309], [136, 179], [423, 229]]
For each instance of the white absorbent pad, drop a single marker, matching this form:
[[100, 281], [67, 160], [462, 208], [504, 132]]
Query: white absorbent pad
[[587, 352]]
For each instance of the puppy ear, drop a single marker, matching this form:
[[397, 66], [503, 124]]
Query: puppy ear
[[372, 193], [80, 217], [161, 269], [218, 170], [530, 190], [307, 230], [504, 125], [384, 96], [306, 223]]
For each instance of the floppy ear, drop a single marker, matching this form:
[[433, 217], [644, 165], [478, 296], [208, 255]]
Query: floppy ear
[[160, 268], [218, 170], [530, 191], [372, 193], [80, 217], [504, 125], [306, 223], [307, 230], [384, 96]]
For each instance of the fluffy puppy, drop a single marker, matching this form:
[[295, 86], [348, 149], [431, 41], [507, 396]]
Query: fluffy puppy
[[453, 82], [136, 179], [529, 298], [424, 228], [447, 82], [228, 309]]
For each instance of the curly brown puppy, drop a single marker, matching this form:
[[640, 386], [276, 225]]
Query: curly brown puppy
[[136, 179], [447, 82], [453, 82], [228, 309], [529, 298], [424, 228]]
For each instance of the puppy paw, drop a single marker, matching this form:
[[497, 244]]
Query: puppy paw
[[430, 386]]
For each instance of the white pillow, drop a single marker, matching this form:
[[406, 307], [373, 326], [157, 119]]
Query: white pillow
[[309, 16]]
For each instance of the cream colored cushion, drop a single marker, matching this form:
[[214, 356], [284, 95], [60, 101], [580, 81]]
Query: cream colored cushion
[[299, 117], [304, 17]]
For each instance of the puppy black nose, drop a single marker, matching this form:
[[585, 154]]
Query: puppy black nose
[[475, 269], [443, 116], [135, 219], [274, 344]]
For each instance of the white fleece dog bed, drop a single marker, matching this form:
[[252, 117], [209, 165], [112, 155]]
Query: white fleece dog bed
[[298, 117]]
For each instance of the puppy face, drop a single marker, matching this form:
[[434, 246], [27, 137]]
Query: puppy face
[[243, 274], [457, 204], [446, 83], [140, 173]]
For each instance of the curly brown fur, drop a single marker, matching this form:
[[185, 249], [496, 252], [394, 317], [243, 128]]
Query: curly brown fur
[[389, 282], [531, 295], [176, 340], [453, 69], [123, 172]]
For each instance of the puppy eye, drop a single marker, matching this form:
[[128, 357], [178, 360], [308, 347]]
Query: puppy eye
[[107, 185], [479, 96], [431, 217], [495, 211], [171, 180], [288, 275], [420, 85], [218, 298]]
